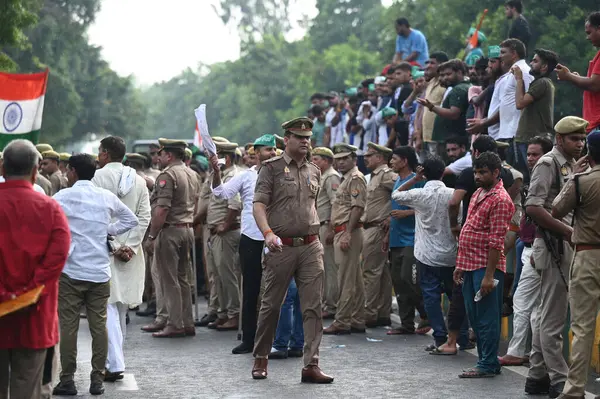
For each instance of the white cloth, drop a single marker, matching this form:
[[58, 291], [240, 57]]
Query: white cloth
[[525, 305], [127, 281], [337, 132], [35, 186], [207, 141], [90, 211], [244, 185], [461, 164], [509, 114], [435, 244], [116, 315]]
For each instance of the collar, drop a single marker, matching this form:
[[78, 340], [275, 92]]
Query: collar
[[289, 159], [113, 165], [8, 184], [493, 190], [254, 167], [84, 183], [173, 164], [434, 184], [521, 63], [378, 169], [351, 172], [560, 157]]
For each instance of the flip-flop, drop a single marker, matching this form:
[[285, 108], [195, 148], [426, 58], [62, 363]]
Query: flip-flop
[[400, 331], [476, 373], [439, 352]]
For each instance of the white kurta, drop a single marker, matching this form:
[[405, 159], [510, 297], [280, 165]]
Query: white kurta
[[127, 281]]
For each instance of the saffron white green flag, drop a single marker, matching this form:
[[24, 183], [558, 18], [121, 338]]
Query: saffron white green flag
[[21, 106]]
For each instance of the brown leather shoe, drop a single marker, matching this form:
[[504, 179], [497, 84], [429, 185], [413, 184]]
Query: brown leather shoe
[[259, 370], [314, 375], [154, 327], [170, 332], [216, 323], [230, 324], [333, 329], [190, 331]]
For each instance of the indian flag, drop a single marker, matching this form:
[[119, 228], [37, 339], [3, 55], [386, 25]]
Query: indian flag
[[21, 106]]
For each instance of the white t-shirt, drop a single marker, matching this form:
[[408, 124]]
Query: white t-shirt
[[461, 164]]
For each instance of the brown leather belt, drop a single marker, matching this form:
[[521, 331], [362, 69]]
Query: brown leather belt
[[342, 227], [586, 247], [298, 241], [180, 225], [372, 224]]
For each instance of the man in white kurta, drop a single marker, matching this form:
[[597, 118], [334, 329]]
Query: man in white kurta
[[127, 263]]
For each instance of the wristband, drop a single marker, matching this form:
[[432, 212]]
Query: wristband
[[267, 232]]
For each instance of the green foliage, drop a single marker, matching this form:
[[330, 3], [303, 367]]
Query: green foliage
[[14, 18]]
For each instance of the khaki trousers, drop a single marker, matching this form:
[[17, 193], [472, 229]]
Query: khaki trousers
[[161, 308], [213, 299], [72, 296], [547, 341], [376, 276], [305, 264], [351, 303], [223, 258], [331, 273], [21, 373], [172, 262], [584, 298]]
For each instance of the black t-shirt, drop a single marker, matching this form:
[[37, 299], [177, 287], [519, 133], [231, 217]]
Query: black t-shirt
[[466, 181]]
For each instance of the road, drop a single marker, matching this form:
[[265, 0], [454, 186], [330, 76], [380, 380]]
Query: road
[[364, 365]]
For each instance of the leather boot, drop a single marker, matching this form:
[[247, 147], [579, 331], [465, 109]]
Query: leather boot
[[313, 374], [213, 325], [170, 332], [259, 370], [230, 324]]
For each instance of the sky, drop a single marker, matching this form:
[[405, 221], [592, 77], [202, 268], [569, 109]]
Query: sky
[[155, 40]]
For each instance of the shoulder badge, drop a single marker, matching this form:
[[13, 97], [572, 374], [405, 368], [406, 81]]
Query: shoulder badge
[[273, 159], [564, 171], [334, 186], [355, 192], [162, 183]]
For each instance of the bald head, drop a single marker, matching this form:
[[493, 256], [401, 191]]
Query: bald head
[[20, 160]]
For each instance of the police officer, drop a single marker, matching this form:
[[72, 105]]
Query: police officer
[[285, 212], [347, 210], [170, 238], [330, 181], [50, 161], [376, 223], [552, 256], [582, 195]]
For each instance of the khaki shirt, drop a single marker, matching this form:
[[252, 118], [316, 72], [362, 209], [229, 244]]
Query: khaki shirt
[[330, 181], [351, 192], [587, 218], [379, 193], [177, 189], [44, 183], [542, 187], [57, 181], [434, 93], [289, 191], [219, 207]]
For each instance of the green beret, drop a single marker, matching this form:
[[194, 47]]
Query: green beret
[[472, 59], [64, 156], [379, 148], [342, 150], [372, 87], [388, 111], [168, 144], [51, 155], [299, 126], [570, 125], [44, 147], [323, 151], [351, 91], [226, 147], [266, 140], [494, 52]]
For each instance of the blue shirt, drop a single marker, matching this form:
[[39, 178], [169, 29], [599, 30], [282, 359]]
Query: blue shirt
[[402, 231], [414, 42]]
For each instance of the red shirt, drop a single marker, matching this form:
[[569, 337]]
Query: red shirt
[[34, 244], [591, 100], [486, 227]]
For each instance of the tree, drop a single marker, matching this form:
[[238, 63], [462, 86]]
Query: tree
[[16, 16]]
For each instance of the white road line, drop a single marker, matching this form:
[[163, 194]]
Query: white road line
[[128, 383]]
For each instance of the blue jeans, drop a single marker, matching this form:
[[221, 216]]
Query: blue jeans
[[436, 281], [485, 318], [290, 332], [519, 246]]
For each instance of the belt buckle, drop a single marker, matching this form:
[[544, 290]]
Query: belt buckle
[[297, 241]]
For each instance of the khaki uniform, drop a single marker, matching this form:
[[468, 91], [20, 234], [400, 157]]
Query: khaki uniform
[[546, 353], [352, 192], [57, 181], [584, 288], [44, 183], [177, 189], [205, 195], [222, 256], [330, 181], [289, 191], [376, 273]]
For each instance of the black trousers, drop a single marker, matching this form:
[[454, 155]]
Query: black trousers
[[251, 263]]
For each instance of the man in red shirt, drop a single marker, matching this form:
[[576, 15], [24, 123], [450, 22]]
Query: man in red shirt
[[591, 83], [481, 261], [34, 243]]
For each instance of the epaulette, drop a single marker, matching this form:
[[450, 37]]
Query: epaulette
[[387, 169], [276, 158]]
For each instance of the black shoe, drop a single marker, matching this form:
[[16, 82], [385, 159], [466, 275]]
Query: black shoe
[[384, 322], [96, 388], [537, 387], [206, 319], [112, 377], [372, 324], [556, 389], [127, 319], [276, 354], [295, 353], [358, 330], [242, 349], [66, 388], [149, 312]]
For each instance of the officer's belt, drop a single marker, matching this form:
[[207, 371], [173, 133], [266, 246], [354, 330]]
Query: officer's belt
[[372, 224], [298, 241], [179, 225], [343, 227], [586, 247]]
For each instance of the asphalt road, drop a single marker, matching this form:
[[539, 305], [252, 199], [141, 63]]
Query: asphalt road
[[371, 365]]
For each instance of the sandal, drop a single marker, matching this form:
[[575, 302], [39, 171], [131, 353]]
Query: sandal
[[439, 352], [476, 373], [430, 348], [400, 331]]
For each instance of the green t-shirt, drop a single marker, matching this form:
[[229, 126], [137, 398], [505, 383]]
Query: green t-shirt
[[445, 128], [537, 119]]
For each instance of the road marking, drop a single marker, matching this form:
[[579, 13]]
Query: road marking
[[128, 383]]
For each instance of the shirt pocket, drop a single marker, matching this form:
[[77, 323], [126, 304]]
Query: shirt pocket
[[289, 187]]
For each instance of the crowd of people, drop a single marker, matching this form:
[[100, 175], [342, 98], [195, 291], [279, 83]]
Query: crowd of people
[[417, 183]]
